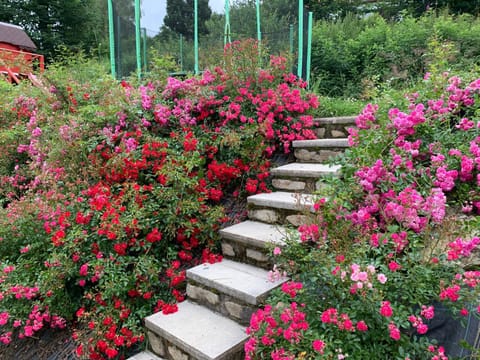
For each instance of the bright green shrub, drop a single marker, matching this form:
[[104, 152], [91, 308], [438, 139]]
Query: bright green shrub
[[351, 55]]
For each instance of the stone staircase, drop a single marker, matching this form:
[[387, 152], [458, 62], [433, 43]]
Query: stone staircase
[[211, 323]]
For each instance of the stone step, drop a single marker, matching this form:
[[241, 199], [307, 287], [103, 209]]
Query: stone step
[[302, 177], [234, 289], [145, 355], [248, 242], [321, 143], [333, 127], [279, 207], [195, 332], [318, 150], [335, 120]]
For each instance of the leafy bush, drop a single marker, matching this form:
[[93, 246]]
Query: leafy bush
[[112, 190], [351, 55], [392, 242]]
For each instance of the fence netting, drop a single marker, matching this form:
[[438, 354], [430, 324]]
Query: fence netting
[[124, 35], [279, 34]]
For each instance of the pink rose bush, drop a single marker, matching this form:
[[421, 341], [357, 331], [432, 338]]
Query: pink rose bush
[[398, 233]]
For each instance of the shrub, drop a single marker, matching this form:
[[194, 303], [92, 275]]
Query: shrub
[[352, 55], [116, 189], [391, 243]]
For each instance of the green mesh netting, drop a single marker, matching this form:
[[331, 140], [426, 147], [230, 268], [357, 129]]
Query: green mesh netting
[[124, 34], [279, 35]]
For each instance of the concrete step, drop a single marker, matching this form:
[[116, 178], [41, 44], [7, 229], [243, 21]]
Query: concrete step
[[248, 242], [341, 120], [195, 332], [279, 207], [302, 177], [333, 127], [234, 289], [145, 355], [318, 150]]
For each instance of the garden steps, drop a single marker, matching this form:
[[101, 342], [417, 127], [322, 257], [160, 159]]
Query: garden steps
[[211, 323], [318, 150], [249, 241], [302, 177], [333, 127], [232, 288], [195, 332]]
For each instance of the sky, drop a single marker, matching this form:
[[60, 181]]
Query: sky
[[153, 12]]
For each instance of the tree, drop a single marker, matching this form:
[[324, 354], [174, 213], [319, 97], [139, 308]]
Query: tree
[[180, 17], [334, 9], [75, 24]]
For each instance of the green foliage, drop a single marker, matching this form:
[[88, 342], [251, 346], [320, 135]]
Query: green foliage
[[180, 16], [76, 24], [389, 9], [330, 106], [352, 57]]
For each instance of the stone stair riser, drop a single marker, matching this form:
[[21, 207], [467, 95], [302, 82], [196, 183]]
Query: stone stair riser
[[169, 351], [317, 155], [333, 127], [276, 216], [297, 184], [246, 253], [226, 305]]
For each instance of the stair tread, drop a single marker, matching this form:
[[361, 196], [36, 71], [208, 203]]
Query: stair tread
[[241, 281], [199, 331], [336, 120], [316, 143], [283, 200], [313, 170], [145, 355], [255, 233]]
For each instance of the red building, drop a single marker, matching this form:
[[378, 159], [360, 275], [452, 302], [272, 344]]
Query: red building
[[17, 53]]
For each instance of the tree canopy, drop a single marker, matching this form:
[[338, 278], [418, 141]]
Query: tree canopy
[[76, 24], [180, 17], [334, 9]]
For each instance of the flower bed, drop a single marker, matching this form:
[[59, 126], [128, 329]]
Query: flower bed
[[111, 190]]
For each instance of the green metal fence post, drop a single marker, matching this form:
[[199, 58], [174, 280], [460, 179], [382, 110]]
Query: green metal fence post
[[227, 39], [259, 32], [309, 47], [111, 38], [137, 38], [300, 38], [196, 36]]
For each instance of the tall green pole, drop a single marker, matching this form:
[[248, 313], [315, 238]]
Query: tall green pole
[[259, 33], [300, 38], [138, 38], [195, 30], [111, 38], [309, 46], [227, 39]]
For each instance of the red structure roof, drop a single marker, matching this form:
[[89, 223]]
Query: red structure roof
[[15, 35]]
